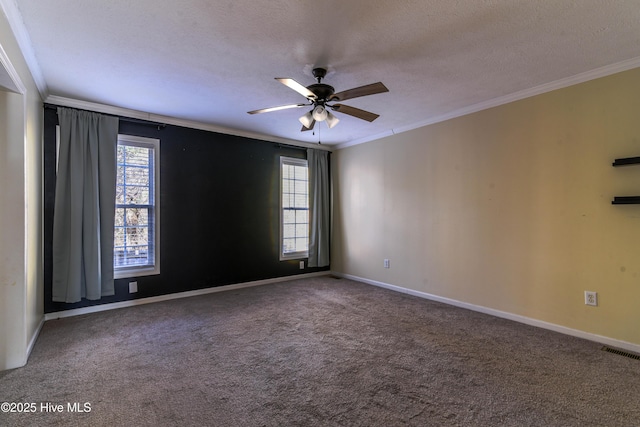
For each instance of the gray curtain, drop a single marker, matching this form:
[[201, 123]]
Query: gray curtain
[[319, 207], [84, 208]]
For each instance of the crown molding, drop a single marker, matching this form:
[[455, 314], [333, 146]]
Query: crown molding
[[502, 100], [14, 17], [157, 118], [13, 81]]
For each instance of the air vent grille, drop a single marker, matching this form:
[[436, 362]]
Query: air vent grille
[[621, 352]]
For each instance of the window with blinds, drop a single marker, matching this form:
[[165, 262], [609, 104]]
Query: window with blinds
[[136, 242], [294, 208]]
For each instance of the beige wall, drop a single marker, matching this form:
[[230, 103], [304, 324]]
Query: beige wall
[[509, 208], [21, 281]]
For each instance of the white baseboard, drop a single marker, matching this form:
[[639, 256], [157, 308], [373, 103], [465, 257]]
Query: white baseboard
[[503, 314], [33, 339], [149, 300]]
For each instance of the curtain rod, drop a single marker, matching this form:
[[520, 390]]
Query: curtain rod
[[157, 124], [297, 147], [126, 119]]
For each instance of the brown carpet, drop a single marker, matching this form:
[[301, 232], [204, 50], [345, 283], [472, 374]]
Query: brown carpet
[[317, 352]]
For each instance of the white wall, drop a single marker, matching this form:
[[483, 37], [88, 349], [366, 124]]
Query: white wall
[[12, 232], [21, 269]]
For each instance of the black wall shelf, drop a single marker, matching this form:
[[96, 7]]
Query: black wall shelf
[[626, 200], [626, 161]]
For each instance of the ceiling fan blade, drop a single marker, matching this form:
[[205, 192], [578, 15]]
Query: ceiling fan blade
[[282, 107], [355, 112], [297, 87], [304, 128], [356, 92]]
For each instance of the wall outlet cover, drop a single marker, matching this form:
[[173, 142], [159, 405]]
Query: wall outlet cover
[[591, 298]]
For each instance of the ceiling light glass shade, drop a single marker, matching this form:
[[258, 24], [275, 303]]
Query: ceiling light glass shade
[[319, 113], [306, 120], [331, 120]]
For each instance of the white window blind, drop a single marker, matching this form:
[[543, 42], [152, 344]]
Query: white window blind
[[136, 234], [294, 212]]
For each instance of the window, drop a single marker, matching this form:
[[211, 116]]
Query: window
[[294, 212], [136, 245]]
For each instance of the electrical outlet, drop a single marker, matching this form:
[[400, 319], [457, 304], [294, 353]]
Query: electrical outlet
[[301, 265], [386, 263], [591, 298], [133, 287]]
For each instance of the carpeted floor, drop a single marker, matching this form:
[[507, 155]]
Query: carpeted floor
[[316, 352]]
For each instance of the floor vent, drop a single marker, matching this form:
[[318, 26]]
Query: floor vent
[[621, 352]]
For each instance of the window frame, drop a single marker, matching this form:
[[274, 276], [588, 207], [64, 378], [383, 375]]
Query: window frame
[[298, 254], [128, 271]]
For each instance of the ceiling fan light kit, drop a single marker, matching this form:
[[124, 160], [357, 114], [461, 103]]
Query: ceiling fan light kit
[[331, 120], [320, 94], [319, 113], [306, 120]]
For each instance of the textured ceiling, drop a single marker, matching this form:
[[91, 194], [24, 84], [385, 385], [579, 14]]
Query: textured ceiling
[[212, 61]]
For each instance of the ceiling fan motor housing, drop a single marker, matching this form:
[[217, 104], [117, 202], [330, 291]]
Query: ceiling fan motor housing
[[322, 91]]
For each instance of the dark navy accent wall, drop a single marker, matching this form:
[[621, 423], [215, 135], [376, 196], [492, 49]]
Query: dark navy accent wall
[[219, 211]]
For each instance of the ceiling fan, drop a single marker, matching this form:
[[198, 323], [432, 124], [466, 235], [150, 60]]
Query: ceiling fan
[[319, 95]]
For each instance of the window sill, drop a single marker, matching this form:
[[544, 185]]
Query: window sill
[[123, 273], [294, 256]]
